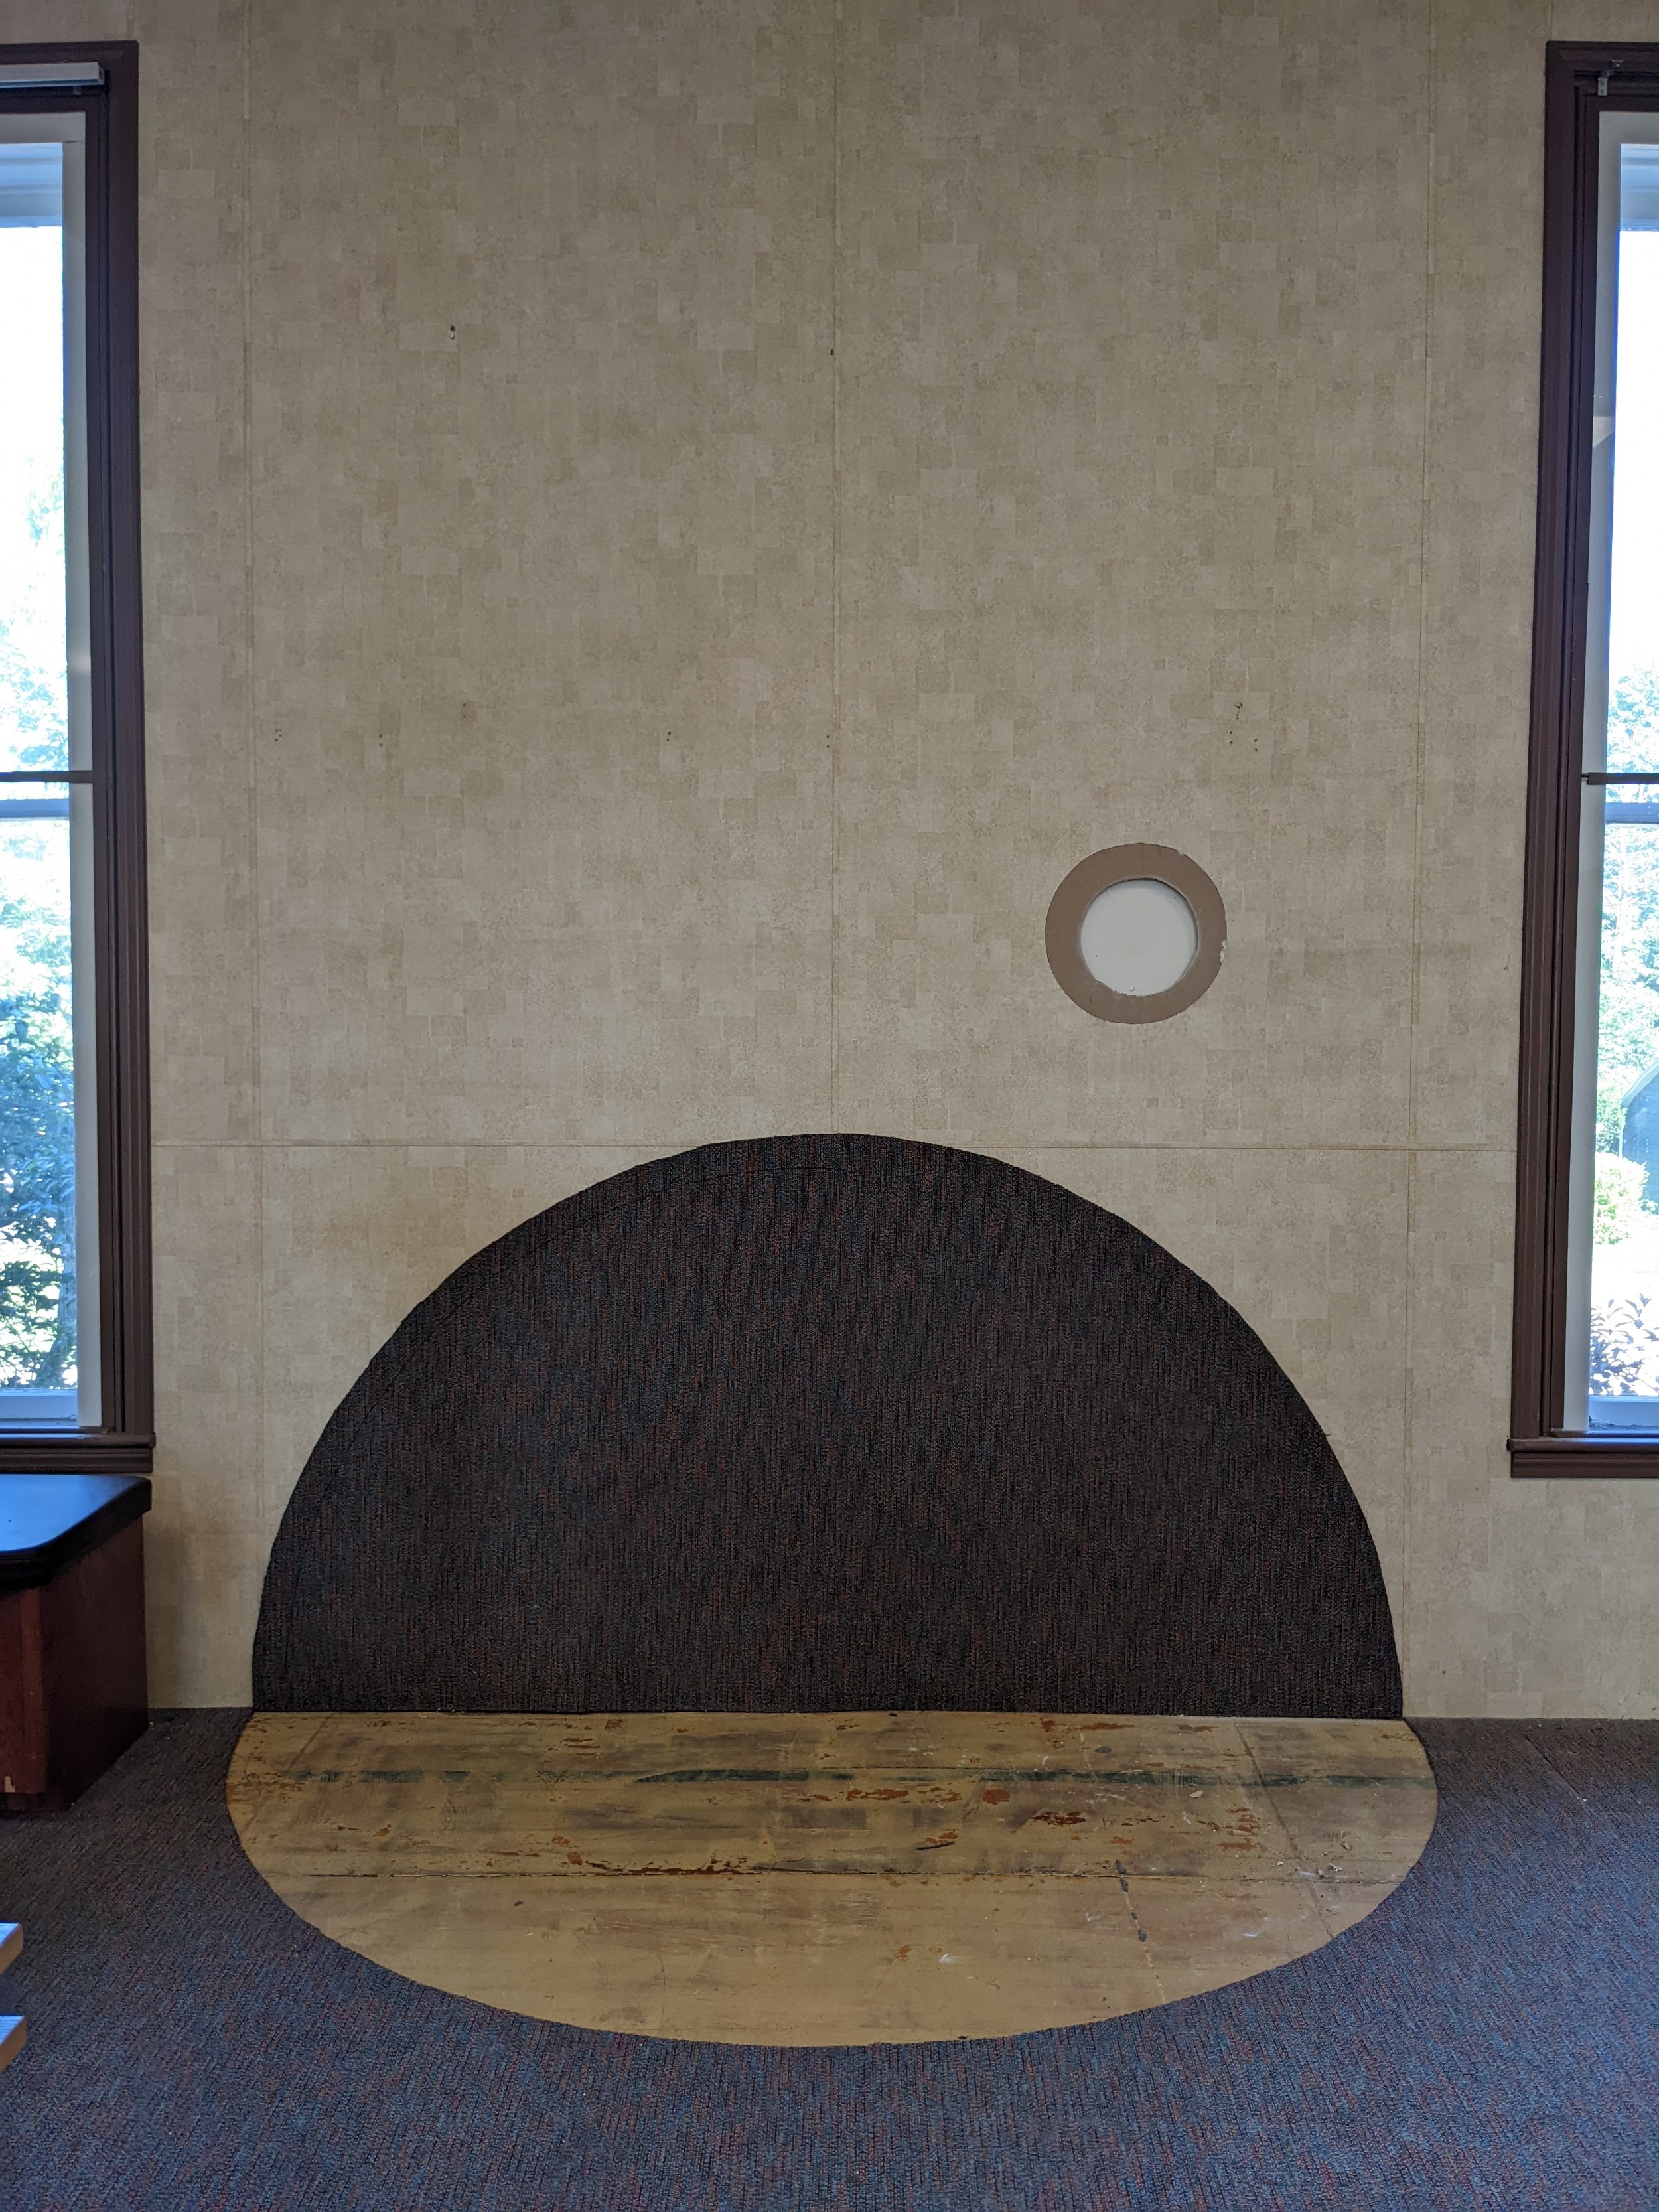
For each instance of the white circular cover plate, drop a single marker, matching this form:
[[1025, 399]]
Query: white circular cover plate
[[1139, 937]]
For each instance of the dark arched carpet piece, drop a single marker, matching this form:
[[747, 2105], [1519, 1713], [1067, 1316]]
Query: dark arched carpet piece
[[815, 1424], [1482, 2043]]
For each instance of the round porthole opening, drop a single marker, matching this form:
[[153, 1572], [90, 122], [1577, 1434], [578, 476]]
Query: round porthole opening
[[1136, 933], [1139, 937]]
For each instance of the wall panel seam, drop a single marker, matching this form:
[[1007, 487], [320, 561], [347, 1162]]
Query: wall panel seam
[[1414, 1063]]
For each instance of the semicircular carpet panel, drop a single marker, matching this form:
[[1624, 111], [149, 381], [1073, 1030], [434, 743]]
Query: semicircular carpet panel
[[816, 1424]]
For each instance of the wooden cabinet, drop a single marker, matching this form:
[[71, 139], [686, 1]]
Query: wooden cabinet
[[72, 1693]]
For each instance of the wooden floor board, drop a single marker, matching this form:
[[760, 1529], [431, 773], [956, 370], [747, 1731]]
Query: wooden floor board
[[833, 1878]]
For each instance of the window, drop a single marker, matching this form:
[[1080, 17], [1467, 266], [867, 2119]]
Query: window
[[75, 1379], [1586, 1376]]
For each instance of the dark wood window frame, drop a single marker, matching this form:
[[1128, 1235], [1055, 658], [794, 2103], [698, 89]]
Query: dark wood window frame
[[124, 1442], [1582, 82]]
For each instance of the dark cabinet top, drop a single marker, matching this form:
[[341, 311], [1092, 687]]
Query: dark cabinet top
[[48, 1521]]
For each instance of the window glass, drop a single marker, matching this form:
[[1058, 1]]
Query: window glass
[[48, 1245], [1616, 1215]]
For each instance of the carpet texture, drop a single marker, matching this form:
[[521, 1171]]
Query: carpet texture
[[1484, 2040], [818, 1424]]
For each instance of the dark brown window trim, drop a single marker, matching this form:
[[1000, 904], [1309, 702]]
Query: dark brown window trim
[[1581, 82], [123, 1443]]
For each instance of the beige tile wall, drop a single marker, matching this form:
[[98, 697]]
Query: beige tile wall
[[669, 528]]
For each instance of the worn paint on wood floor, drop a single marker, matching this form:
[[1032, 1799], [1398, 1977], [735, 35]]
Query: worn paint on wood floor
[[840, 1878]]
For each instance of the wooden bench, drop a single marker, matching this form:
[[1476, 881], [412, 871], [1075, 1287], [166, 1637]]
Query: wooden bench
[[73, 1693]]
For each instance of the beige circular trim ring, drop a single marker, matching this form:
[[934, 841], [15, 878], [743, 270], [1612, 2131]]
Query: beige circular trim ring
[[1121, 864]]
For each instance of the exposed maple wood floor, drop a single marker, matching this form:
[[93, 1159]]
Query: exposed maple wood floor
[[847, 1878]]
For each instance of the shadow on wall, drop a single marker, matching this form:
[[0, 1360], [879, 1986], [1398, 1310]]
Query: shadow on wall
[[826, 1424]]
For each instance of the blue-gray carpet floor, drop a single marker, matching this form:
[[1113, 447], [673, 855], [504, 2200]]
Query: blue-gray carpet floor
[[1487, 2038]]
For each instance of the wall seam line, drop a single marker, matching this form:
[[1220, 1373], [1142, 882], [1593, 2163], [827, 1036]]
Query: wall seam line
[[660, 1147], [250, 654], [837, 23], [1413, 1072]]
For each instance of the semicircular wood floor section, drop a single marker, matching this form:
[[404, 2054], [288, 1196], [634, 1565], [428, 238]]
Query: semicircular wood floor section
[[841, 1878]]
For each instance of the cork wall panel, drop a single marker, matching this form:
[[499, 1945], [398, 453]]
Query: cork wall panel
[[542, 419], [26, 21], [204, 1538], [1131, 490], [197, 605], [1480, 491]]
